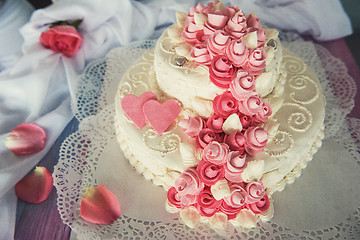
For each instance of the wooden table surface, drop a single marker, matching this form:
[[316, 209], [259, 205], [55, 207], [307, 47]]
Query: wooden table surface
[[42, 221]]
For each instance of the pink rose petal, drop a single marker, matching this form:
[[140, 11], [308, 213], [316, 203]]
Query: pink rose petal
[[27, 138], [99, 206], [36, 187]]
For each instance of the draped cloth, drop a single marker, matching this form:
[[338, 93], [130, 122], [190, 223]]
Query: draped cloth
[[37, 84]]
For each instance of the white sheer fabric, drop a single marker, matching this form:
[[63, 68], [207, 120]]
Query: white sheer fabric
[[39, 85], [91, 156]]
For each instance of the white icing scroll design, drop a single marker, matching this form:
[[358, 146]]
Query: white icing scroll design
[[165, 144], [298, 118], [306, 91], [280, 144], [294, 65], [137, 74], [125, 89]]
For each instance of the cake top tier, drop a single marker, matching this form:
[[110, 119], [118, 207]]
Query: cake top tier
[[213, 49]]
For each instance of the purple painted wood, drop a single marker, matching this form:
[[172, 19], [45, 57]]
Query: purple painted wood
[[42, 221]]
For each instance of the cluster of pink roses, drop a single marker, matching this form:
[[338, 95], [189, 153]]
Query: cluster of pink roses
[[219, 44], [234, 67], [193, 188]]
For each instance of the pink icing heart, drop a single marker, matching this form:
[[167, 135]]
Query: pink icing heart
[[133, 107], [161, 116]]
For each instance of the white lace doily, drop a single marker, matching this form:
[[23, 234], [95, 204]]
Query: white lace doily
[[322, 204]]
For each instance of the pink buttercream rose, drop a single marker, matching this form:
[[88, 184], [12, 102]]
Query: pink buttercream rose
[[256, 192], [237, 52], [264, 113], [192, 126], [251, 104], [199, 8], [216, 153], [255, 140], [235, 141], [174, 198], [229, 210], [209, 173], [215, 123], [217, 43], [217, 21], [236, 26], [253, 21], [242, 85], [221, 71], [238, 196], [62, 39], [225, 104], [235, 165], [246, 121], [188, 183], [200, 54], [260, 206], [256, 62], [190, 31], [206, 136], [206, 204]]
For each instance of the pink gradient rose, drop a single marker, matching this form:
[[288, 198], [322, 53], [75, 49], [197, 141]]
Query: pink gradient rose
[[221, 71], [229, 210], [190, 31], [216, 153], [237, 52], [260, 206], [192, 126], [174, 198], [200, 54], [62, 39], [225, 104], [206, 136], [215, 123], [235, 165], [251, 105], [238, 196], [235, 141], [242, 85], [253, 21], [255, 140], [264, 113], [188, 183], [256, 192], [206, 204], [217, 43], [236, 26], [256, 62], [246, 121], [209, 173]]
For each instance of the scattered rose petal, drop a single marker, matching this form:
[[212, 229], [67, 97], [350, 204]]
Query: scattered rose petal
[[36, 187], [27, 138], [99, 206]]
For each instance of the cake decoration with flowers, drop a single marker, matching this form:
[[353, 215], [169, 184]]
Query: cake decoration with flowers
[[212, 115]]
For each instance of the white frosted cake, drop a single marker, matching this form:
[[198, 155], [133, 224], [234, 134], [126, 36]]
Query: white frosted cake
[[219, 115]]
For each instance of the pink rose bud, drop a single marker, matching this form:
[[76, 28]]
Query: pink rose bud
[[216, 153], [192, 126], [62, 39], [255, 140]]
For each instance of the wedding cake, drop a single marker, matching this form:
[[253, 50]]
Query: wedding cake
[[219, 115]]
